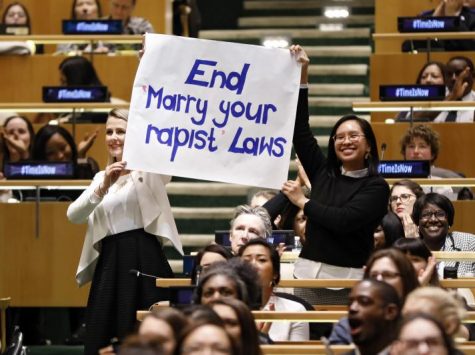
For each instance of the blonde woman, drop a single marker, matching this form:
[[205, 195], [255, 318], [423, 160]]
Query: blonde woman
[[128, 216]]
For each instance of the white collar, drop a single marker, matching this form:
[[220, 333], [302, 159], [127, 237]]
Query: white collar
[[355, 173]]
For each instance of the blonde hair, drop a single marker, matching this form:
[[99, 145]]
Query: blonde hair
[[121, 114], [448, 307]]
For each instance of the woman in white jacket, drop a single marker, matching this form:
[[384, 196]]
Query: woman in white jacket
[[128, 216]]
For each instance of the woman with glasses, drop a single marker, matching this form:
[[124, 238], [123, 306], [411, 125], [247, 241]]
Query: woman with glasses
[[402, 197], [434, 214], [387, 265], [347, 201], [394, 268], [422, 334]]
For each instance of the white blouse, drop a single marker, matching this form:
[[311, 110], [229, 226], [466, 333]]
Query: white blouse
[[136, 200]]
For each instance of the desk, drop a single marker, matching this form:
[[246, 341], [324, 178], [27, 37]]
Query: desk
[[23, 77], [392, 42], [456, 140], [39, 272]]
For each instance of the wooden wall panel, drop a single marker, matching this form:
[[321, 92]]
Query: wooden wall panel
[[456, 151], [46, 15], [40, 271], [23, 77]]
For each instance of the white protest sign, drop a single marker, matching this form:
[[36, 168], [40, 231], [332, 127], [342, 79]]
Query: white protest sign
[[213, 110]]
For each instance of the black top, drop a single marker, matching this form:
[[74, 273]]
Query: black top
[[343, 211]]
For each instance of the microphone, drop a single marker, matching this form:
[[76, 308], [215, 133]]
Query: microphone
[[139, 273], [383, 150]]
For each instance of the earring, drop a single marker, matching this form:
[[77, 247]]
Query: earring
[[367, 156]]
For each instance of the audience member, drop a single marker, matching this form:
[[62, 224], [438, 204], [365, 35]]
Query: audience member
[[434, 214], [421, 258], [205, 257], [55, 143], [232, 279], [17, 14], [374, 310], [132, 25], [78, 71], [466, 24], [17, 139], [239, 323], [460, 84], [421, 142], [84, 10], [348, 198], [248, 223], [129, 216], [422, 334], [443, 306], [392, 267], [266, 260], [16, 20], [401, 201], [261, 197], [206, 337], [388, 232], [432, 73]]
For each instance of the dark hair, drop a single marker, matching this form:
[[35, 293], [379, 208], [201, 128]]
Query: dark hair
[[31, 131], [441, 66], [404, 266], [467, 60], [371, 163], [198, 324], [274, 255], [392, 228], [409, 184], [79, 71], [212, 248], [241, 274], [448, 341], [73, 12], [433, 198], [426, 133], [387, 293], [414, 247], [25, 10], [44, 135], [247, 324], [172, 316], [141, 345], [201, 313]]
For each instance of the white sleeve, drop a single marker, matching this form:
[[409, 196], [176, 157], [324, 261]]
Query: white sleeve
[[299, 331], [79, 210]]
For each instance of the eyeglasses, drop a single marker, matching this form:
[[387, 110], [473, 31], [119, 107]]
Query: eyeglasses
[[439, 214], [385, 275], [352, 137], [404, 198], [430, 342]]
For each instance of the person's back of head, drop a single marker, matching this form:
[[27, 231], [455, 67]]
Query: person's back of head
[[78, 71], [440, 304]]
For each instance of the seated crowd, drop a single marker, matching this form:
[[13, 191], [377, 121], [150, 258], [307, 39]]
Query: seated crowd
[[350, 224]]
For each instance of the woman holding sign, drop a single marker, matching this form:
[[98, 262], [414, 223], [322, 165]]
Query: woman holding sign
[[128, 216], [347, 201]]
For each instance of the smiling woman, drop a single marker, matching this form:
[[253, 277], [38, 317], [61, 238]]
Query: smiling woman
[[129, 216], [347, 202], [434, 214]]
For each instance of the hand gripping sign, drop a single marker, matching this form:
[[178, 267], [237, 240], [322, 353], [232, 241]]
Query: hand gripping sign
[[213, 110]]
